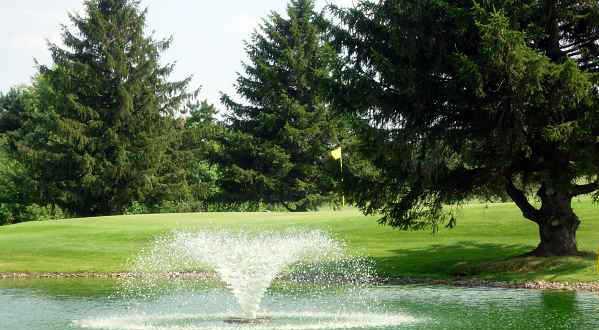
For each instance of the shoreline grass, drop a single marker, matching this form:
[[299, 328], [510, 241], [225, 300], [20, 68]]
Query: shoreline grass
[[484, 245]]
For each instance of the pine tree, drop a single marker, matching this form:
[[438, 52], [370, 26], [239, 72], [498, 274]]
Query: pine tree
[[277, 149], [103, 119], [469, 99]]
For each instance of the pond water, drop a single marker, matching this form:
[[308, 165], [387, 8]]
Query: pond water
[[85, 304]]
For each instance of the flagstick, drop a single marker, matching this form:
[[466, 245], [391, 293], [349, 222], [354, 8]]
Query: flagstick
[[337, 154], [342, 191]]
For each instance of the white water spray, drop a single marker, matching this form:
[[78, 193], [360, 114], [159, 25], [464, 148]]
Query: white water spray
[[246, 262], [249, 264], [317, 287]]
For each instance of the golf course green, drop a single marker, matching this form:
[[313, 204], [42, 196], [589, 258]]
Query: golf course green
[[485, 244]]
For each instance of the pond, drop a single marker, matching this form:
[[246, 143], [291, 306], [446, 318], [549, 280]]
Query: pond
[[95, 304]]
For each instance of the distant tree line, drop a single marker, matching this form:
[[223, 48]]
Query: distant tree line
[[103, 130], [434, 103]]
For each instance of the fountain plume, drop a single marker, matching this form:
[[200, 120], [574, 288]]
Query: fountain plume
[[248, 263]]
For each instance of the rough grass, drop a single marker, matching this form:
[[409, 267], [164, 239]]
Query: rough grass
[[485, 243]]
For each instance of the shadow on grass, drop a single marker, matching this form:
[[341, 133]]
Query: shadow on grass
[[475, 259]]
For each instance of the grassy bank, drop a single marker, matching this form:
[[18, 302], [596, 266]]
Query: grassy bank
[[483, 245]]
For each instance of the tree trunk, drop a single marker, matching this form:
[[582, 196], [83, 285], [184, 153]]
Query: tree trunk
[[557, 240], [557, 224]]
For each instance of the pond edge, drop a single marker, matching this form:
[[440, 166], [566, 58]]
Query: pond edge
[[456, 282]]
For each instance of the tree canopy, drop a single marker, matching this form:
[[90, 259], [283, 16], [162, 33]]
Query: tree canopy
[[469, 99]]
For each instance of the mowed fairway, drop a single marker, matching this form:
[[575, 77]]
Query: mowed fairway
[[484, 243]]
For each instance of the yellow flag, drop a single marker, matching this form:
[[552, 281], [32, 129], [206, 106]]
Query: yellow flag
[[336, 154]]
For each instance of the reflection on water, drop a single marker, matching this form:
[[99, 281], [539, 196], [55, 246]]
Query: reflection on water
[[77, 305], [563, 305]]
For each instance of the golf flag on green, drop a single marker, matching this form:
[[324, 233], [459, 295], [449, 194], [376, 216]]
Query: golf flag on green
[[336, 154]]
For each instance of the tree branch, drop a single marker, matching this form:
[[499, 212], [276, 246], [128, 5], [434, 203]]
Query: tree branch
[[578, 44], [528, 211], [585, 189]]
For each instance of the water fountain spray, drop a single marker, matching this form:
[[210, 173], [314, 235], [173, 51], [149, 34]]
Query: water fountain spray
[[246, 262]]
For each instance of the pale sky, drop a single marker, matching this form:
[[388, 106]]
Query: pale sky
[[208, 36]]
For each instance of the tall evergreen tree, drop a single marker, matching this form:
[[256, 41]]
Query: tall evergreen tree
[[277, 150], [475, 98], [103, 117]]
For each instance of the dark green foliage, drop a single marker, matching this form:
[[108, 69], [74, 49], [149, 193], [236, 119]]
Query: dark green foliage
[[201, 115], [467, 101], [12, 199], [17, 198], [17, 203], [198, 145], [101, 127], [277, 148], [12, 108], [193, 169]]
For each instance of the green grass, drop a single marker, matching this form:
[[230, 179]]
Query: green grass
[[484, 244]]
